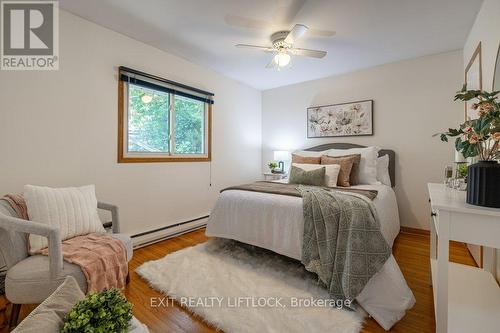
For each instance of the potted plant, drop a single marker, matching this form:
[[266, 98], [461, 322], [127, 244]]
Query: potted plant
[[272, 166], [480, 138], [463, 168], [107, 311]]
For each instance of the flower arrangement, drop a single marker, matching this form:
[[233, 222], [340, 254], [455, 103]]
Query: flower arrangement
[[104, 312], [272, 165], [478, 137]]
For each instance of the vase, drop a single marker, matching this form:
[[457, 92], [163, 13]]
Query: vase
[[483, 184]]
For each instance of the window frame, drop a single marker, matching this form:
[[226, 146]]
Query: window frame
[[146, 157]]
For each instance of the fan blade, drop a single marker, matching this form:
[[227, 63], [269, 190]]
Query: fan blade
[[249, 23], [287, 11], [308, 53], [256, 47], [297, 31], [321, 33], [271, 63]]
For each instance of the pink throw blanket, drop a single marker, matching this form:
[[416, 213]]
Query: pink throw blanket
[[102, 258], [16, 201]]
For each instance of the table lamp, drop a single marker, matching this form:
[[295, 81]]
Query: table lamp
[[281, 156]]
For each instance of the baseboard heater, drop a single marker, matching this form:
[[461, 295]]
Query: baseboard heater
[[153, 236]]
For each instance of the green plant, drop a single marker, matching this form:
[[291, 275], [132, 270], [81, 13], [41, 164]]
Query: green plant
[[104, 312], [481, 136], [462, 170], [272, 165]]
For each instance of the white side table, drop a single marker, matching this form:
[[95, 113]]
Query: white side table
[[274, 176], [466, 298]]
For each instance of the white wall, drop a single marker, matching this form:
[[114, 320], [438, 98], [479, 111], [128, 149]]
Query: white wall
[[59, 128], [413, 99], [486, 29]]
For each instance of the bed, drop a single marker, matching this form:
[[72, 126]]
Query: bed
[[275, 222]]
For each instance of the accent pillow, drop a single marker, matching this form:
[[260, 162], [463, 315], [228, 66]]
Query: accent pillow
[[367, 165], [346, 163], [312, 177], [306, 159], [354, 178], [73, 210], [383, 170], [331, 172], [307, 153], [49, 316]]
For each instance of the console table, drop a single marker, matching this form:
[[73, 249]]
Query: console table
[[466, 298]]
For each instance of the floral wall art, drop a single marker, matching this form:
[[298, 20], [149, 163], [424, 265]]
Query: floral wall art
[[347, 119]]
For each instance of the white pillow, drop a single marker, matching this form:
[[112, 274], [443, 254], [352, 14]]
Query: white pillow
[[73, 210], [331, 171], [367, 165], [383, 170], [306, 153]]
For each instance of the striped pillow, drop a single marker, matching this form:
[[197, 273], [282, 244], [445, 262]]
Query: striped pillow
[[73, 210]]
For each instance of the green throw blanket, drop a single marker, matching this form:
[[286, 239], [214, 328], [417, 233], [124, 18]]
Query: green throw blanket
[[342, 241]]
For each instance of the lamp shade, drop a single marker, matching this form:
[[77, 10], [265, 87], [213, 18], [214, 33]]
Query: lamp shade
[[281, 155], [282, 59]]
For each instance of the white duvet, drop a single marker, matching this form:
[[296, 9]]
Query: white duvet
[[275, 222]]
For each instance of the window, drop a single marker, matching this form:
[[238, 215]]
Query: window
[[162, 121]]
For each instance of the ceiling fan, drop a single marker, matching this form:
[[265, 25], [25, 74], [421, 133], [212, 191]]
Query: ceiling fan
[[282, 47]]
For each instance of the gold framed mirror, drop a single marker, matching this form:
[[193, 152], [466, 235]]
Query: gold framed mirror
[[496, 73], [473, 80]]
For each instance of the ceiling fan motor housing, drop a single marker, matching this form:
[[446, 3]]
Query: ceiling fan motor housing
[[278, 40]]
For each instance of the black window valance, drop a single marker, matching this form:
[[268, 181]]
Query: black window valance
[[171, 87]]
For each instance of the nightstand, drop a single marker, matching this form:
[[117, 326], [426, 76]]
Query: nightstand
[[466, 299], [274, 176]]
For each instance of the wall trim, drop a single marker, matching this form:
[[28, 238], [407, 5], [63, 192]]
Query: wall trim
[[154, 236], [169, 236], [169, 226]]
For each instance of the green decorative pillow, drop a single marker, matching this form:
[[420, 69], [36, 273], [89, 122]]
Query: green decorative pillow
[[314, 177]]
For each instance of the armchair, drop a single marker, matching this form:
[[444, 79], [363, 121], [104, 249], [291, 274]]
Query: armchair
[[31, 279]]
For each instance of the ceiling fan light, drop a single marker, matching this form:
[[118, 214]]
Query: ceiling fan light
[[282, 59]]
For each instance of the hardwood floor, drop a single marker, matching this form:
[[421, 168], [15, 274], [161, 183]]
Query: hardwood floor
[[410, 250], [3, 312]]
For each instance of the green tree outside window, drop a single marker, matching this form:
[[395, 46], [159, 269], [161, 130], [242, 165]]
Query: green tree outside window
[[149, 122]]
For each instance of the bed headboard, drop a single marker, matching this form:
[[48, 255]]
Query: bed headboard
[[342, 145]]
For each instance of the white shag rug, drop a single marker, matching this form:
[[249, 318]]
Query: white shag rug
[[240, 288]]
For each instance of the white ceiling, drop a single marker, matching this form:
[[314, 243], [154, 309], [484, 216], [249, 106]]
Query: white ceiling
[[368, 32]]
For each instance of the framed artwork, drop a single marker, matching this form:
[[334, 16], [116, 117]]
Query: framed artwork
[[473, 80], [347, 119]]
